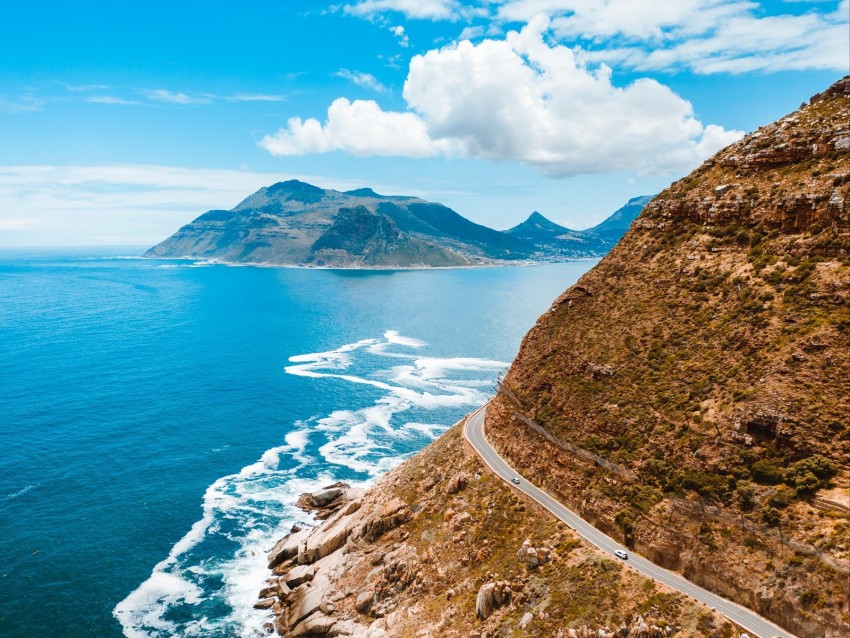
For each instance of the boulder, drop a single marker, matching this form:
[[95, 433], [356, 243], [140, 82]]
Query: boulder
[[323, 543], [299, 575], [364, 601], [533, 556], [490, 597], [308, 600], [484, 601], [457, 484], [286, 548], [265, 603], [316, 625], [526, 619]]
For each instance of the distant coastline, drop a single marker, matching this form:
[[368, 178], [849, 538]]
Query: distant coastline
[[295, 224]]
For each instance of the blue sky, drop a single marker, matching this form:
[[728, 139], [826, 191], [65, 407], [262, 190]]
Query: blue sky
[[121, 121]]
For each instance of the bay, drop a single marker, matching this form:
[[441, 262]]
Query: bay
[[158, 418]]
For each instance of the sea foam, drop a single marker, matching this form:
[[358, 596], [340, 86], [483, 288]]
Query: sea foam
[[209, 581]]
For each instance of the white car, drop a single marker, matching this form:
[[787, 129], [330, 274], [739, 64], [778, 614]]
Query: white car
[[515, 480], [619, 553]]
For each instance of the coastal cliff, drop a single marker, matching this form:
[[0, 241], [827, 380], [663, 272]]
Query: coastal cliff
[[441, 547], [691, 394]]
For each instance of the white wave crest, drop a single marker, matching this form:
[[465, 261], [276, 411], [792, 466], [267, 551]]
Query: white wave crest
[[248, 511]]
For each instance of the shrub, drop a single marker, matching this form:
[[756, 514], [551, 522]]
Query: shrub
[[746, 496], [713, 487], [771, 516], [782, 498], [767, 471], [810, 474]]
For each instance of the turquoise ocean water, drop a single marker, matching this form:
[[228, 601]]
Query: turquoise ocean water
[[158, 418]]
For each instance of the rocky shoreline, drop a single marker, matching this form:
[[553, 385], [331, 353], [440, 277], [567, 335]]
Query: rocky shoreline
[[413, 556]]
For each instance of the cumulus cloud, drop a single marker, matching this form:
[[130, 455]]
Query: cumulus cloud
[[364, 80], [360, 128], [517, 99]]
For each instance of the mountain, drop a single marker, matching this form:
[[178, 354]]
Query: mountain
[[554, 241], [614, 227], [294, 223], [694, 387]]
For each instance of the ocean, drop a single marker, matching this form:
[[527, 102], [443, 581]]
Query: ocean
[[159, 418]]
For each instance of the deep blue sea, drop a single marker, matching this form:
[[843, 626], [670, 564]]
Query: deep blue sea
[[158, 418]]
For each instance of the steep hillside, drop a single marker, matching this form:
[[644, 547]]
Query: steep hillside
[[702, 373], [294, 223], [441, 548]]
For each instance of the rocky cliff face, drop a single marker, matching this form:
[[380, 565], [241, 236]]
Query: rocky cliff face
[[439, 547], [691, 394]]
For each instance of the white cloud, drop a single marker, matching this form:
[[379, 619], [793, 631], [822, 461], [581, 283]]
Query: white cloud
[[707, 36], [84, 88], [517, 99], [140, 204], [364, 80], [23, 104], [177, 97], [360, 128], [417, 9], [401, 36], [255, 97], [109, 99]]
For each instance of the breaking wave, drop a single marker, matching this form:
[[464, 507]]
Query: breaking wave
[[209, 581]]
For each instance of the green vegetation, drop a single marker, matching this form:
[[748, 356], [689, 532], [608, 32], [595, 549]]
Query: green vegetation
[[810, 474], [767, 471]]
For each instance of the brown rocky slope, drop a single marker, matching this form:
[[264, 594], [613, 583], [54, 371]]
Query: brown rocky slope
[[691, 394], [440, 547]]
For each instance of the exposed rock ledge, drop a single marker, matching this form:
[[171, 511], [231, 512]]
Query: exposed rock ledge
[[427, 554]]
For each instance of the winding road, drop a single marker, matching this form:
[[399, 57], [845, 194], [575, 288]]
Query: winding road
[[755, 625]]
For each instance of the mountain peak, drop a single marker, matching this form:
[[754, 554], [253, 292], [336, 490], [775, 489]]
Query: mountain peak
[[292, 186], [364, 192], [536, 224], [538, 218]]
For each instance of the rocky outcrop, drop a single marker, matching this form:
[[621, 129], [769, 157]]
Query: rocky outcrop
[[422, 557], [491, 597], [532, 556]]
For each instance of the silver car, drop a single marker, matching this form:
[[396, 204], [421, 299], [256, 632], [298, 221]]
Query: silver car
[[619, 553]]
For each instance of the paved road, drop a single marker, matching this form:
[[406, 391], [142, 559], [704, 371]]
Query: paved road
[[754, 624]]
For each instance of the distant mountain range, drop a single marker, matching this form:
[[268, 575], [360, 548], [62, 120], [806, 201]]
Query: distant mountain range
[[297, 224]]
